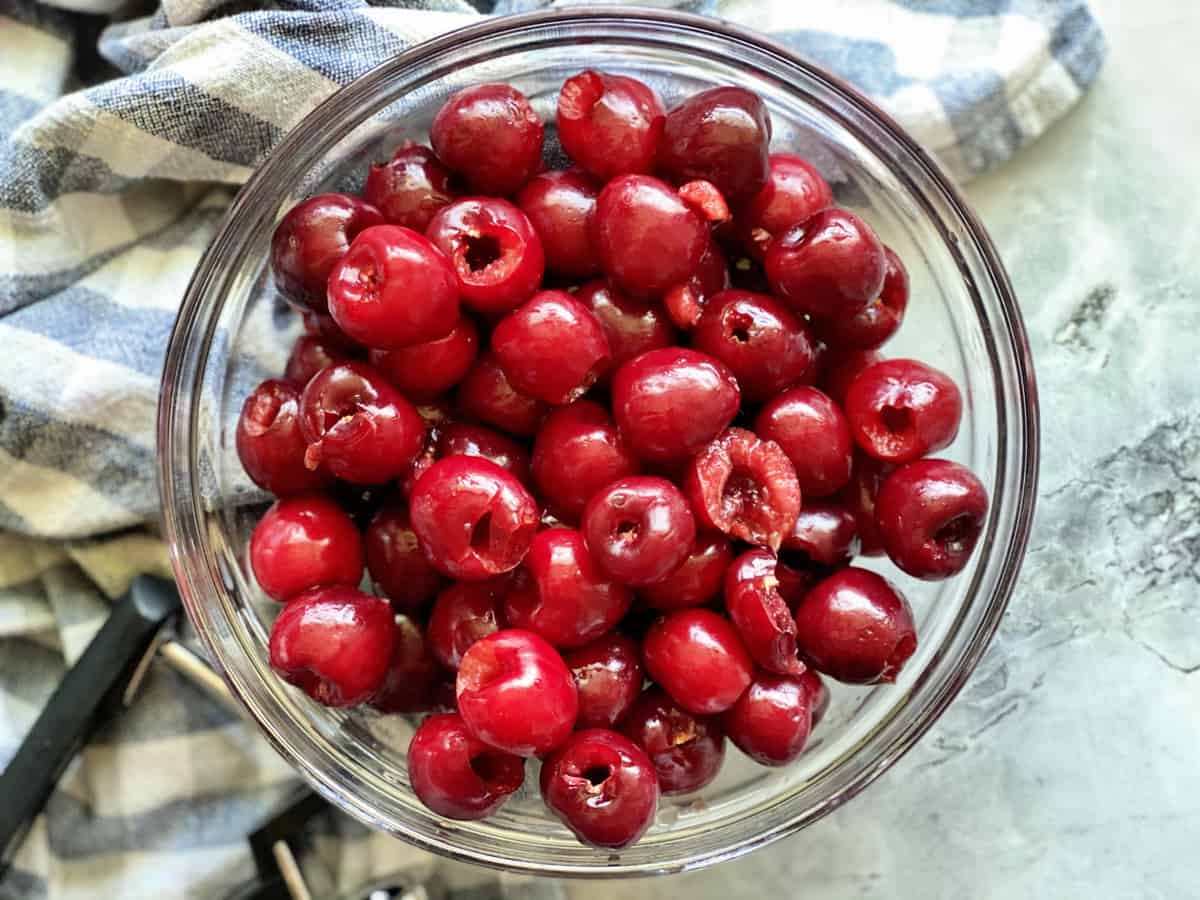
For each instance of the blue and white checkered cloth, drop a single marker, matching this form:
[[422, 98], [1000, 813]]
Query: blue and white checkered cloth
[[121, 142]]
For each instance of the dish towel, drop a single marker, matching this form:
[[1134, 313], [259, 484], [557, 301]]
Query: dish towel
[[124, 132]]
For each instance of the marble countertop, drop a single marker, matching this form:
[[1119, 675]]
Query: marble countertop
[[1070, 764]]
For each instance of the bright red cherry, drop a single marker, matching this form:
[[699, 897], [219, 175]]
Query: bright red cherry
[[464, 613], [771, 722], [686, 750], [560, 205], [270, 444], [901, 409], [396, 562], [639, 529], [426, 371], [305, 542], [794, 192], [457, 775], [609, 124], [486, 394], [608, 675], [810, 428], [490, 135], [410, 187], [697, 580], [698, 658], [578, 451], [760, 612]]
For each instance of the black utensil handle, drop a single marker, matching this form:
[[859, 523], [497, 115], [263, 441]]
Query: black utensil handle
[[76, 706]]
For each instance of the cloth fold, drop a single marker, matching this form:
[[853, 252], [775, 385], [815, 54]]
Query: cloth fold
[[124, 133]]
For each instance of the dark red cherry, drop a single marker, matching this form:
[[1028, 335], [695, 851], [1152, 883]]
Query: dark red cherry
[[697, 580], [410, 187], [639, 529], [901, 409], [771, 722], [760, 612], [686, 750], [632, 326], [878, 320], [810, 428], [486, 395], [490, 135], [464, 613], [560, 205], [413, 676], [459, 439], [396, 562], [270, 444], [311, 354], [794, 192], [608, 675], [426, 371]]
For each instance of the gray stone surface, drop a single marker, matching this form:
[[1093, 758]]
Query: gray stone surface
[[1070, 765]]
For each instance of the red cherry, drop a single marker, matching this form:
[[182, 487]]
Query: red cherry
[[426, 371], [578, 451], [698, 658], [686, 750], [491, 136], [608, 675], [609, 124], [561, 205], [761, 614], [305, 542], [457, 775], [464, 613], [270, 444], [396, 562], [697, 580], [410, 187], [771, 722], [901, 409]]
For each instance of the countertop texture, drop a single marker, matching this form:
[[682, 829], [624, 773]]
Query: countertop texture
[[1070, 764]]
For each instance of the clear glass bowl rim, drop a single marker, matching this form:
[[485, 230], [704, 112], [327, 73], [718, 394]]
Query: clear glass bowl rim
[[178, 422]]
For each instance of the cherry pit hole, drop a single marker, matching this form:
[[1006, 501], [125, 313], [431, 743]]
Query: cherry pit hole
[[481, 251]]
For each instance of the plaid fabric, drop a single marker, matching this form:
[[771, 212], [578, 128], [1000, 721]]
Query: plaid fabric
[[121, 142]]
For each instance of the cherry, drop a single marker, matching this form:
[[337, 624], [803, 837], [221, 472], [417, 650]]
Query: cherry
[[871, 326], [602, 786], [560, 206], [486, 394], [413, 676], [473, 518], [686, 750], [794, 192], [426, 371], [698, 658], [552, 348], [393, 288], [459, 439], [765, 346], [901, 409], [457, 775], [697, 580], [856, 627], [334, 643], [270, 444], [464, 613], [818, 695], [930, 514], [760, 612], [721, 135], [670, 403], [577, 452], [829, 266], [609, 124], [810, 428], [494, 251], [305, 542], [516, 694], [840, 370], [358, 426], [560, 594], [491, 136], [648, 238], [608, 676], [771, 722], [639, 529], [410, 187], [311, 354], [825, 536], [322, 325], [744, 487], [685, 302], [859, 496], [632, 326], [310, 240], [397, 565]]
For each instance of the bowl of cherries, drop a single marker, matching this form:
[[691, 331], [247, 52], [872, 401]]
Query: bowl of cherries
[[597, 443]]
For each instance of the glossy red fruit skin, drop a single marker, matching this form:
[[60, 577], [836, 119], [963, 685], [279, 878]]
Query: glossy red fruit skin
[[639, 529], [516, 694], [270, 444], [495, 253], [840, 368], [560, 205], [462, 614], [486, 395], [685, 302], [649, 240], [457, 775], [393, 288], [474, 519], [686, 750], [334, 643], [878, 320], [856, 627], [771, 722], [413, 675], [552, 348], [818, 695], [321, 325], [825, 536], [560, 593], [578, 451], [765, 346], [426, 371], [900, 410], [830, 266], [305, 542], [744, 487], [697, 580], [410, 187], [670, 403], [721, 135], [609, 124], [794, 192], [760, 613], [698, 658], [614, 812], [459, 439], [490, 135], [859, 496], [396, 562], [358, 426], [810, 428], [632, 326], [309, 356], [930, 514], [608, 676], [309, 241]]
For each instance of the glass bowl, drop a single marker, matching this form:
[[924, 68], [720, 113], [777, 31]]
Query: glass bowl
[[233, 331]]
